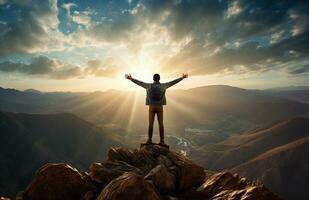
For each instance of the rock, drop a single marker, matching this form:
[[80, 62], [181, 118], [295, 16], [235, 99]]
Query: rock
[[107, 171], [57, 181], [228, 186], [163, 180], [4, 198], [129, 186], [163, 160], [149, 173], [120, 154], [144, 160], [155, 149], [90, 195], [166, 197], [189, 174]]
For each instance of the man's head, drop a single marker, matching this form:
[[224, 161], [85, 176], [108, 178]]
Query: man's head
[[156, 77]]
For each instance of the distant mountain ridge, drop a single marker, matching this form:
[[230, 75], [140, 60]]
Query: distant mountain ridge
[[220, 127], [29, 140], [289, 88], [275, 155]]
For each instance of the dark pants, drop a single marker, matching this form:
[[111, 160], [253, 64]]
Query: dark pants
[[153, 110]]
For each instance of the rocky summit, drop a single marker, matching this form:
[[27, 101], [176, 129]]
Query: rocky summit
[[152, 172]]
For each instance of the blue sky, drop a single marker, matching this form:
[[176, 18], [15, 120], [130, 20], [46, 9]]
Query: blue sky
[[89, 45]]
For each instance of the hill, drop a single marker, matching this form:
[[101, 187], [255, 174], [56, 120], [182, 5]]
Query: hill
[[30, 140], [275, 155], [256, 142], [300, 95], [284, 169]]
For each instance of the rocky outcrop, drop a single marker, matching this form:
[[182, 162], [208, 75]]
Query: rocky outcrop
[[129, 186], [58, 181], [230, 186], [162, 178], [105, 172], [150, 173]]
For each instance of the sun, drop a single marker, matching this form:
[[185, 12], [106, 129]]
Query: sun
[[143, 73], [144, 67]]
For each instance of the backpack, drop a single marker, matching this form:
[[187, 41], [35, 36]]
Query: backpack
[[156, 92]]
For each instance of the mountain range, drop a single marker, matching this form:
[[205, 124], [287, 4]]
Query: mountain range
[[31, 140], [274, 155], [261, 134]]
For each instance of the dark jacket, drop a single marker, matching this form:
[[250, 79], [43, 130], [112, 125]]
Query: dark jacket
[[163, 86]]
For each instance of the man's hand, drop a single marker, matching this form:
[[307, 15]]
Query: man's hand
[[128, 76], [185, 75]]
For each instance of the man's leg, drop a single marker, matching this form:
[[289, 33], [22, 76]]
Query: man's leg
[[161, 126], [150, 125]]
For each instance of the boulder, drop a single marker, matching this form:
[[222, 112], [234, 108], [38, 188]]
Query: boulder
[[57, 181], [230, 186], [120, 154], [144, 160], [163, 160], [149, 173], [164, 180], [129, 186], [155, 149], [105, 172], [189, 173], [90, 195]]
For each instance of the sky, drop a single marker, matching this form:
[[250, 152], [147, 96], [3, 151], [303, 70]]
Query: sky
[[89, 45]]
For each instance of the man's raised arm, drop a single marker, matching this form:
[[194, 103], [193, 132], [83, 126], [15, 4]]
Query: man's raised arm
[[171, 83], [140, 83]]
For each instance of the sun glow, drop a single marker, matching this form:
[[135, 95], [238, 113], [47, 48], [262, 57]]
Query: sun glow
[[144, 66]]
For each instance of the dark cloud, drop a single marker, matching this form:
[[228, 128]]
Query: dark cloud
[[56, 69], [222, 35], [39, 65], [238, 33], [299, 70], [43, 66], [30, 33], [68, 72]]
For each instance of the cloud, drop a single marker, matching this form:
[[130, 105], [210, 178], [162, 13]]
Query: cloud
[[107, 68], [81, 18], [43, 66], [256, 35], [39, 65], [298, 70], [116, 30], [222, 35], [68, 72], [36, 29], [200, 37]]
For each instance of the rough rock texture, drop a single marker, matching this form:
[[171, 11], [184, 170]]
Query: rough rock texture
[[151, 172], [107, 171], [4, 198], [189, 174], [230, 186], [129, 186], [58, 181], [163, 179]]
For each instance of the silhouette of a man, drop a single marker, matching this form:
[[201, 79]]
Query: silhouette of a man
[[155, 99]]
